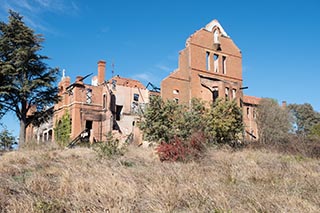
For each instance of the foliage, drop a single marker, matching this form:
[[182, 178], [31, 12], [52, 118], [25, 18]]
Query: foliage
[[26, 81], [163, 121], [305, 118], [108, 148], [315, 131], [274, 122], [181, 149], [225, 122], [158, 120], [62, 130], [7, 140]]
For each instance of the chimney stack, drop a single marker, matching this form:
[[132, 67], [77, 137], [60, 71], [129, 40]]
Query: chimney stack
[[101, 71], [284, 104]]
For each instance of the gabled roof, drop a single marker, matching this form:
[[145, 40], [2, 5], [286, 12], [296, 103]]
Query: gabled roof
[[251, 100], [215, 23], [127, 82]]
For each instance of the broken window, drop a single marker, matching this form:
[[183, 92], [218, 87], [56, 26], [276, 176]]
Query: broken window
[[234, 92], [208, 60], [89, 96], [216, 62], [227, 93], [224, 65], [215, 94], [176, 92], [136, 97]]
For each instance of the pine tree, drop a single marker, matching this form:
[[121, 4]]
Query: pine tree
[[26, 81]]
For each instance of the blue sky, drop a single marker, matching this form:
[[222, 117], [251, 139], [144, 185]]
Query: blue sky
[[279, 40]]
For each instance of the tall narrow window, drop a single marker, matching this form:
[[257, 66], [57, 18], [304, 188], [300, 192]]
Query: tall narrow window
[[234, 93], [216, 37], [216, 62], [215, 94], [208, 60], [227, 93], [104, 100], [248, 112], [89, 96], [224, 65]]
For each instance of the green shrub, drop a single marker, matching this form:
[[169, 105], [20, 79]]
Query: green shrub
[[108, 148]]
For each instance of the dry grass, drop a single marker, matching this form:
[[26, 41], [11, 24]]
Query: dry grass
[[75, 180]]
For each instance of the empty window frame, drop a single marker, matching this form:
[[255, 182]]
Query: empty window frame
[[216, 62], [176, 91], [207, 60], [104, 101], [227, 93], [215, 94], [216, 37], [89, 96], [136, 97], [224, 65], [234, 93]]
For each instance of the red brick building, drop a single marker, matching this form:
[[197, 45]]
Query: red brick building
[[210, 67]]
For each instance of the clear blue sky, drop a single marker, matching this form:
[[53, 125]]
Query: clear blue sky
[[279, 40]]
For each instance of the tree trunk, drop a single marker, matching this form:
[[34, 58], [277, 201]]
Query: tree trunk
[[22, 134]]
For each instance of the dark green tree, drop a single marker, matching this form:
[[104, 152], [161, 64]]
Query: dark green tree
[[304, 117], [26, 81], [158, 120], [273, 121], [162, 121], [7, 140], [225, 123]]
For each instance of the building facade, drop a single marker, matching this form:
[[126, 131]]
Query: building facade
[[210, 67]]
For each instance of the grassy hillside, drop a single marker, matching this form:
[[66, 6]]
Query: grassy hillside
[[75, 180]]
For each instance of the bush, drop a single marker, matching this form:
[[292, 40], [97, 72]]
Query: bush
[[109, 148], [182, 150]]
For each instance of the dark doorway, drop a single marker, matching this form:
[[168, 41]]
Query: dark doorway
[[118, 112], [88, 125]]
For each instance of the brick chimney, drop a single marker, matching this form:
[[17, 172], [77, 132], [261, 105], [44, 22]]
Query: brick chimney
[[284, 104], [101, 71]]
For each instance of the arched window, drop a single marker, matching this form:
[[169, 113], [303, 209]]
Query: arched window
[[216, 37]]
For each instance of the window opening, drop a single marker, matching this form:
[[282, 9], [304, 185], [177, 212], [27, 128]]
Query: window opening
[[136, 97], [216, 62], [89, 96], [104, 101], [234, 92], [224, 65], [208, 60], [216, 37], [215, 94], [227, 93]]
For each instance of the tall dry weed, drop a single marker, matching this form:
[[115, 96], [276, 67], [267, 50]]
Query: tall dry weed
[[223, 181]]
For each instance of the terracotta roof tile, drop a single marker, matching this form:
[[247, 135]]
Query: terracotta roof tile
[[251, 100]]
